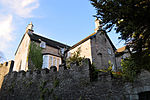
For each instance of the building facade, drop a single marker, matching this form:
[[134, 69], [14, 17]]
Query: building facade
[[97, 47], [50, 50]]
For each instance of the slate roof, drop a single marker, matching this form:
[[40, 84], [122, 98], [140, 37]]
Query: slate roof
[[49, 42], [55, 44]]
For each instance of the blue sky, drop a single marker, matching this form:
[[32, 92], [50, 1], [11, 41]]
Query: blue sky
[[66, 21]]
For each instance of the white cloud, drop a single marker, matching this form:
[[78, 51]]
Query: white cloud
[[11, 11], [6, 29], [22, 8]]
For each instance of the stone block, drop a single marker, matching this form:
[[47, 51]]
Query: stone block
[[29, 74], [134, 97], [44, 71], [13, 74]]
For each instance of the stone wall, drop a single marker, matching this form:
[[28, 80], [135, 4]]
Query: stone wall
[[100, 55], [85, 49], [71, 84], [5, 68]]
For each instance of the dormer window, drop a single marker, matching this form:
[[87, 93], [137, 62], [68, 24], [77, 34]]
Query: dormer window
[[43, 44]]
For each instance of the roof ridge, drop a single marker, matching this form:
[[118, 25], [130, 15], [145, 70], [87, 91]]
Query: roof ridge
[[45, 39]]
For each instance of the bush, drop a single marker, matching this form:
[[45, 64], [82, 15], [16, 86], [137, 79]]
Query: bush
[[130, 69], [75, 58]]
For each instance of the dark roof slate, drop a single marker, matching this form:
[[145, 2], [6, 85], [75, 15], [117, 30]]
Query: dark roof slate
[[49, 42]]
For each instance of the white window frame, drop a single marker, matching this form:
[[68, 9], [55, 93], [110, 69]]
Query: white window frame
[[59, 61], [56, 62], [52, 61], [45, 61]]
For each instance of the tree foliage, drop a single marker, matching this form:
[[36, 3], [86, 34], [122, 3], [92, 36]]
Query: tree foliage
[[130, 18]]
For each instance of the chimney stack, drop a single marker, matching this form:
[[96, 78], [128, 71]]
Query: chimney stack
[[29, 28], [97, 25]]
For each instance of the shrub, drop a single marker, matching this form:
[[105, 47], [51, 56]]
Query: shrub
[[75, 58]]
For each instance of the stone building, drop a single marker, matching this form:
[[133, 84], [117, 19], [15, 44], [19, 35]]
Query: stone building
[[50, 49], [97, 47]]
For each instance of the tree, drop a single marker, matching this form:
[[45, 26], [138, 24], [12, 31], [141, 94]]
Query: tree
[[130, 18]]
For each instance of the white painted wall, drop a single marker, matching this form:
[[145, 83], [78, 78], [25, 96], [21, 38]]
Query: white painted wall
[[22, 54]]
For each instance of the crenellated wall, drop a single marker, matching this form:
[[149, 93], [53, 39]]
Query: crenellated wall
[[71, 84], [5, 68]]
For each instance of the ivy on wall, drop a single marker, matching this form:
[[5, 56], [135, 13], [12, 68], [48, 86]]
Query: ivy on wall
[[35, 56]]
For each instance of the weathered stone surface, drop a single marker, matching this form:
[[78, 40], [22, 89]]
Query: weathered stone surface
[[5, 68], [70, 84]]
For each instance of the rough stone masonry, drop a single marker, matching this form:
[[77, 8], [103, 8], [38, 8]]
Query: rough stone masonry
[[71, 84]]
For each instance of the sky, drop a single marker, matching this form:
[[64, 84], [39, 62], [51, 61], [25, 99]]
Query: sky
[[66, 21]]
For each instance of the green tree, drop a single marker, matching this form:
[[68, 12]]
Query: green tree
[[130, 18]]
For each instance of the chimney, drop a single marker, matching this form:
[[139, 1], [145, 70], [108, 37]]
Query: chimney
[[97, 24], [29, 28]]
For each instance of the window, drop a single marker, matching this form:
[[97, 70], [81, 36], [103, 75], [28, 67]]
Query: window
[[58, 61], [54, 61], [43, 44], [68, 54], [50, 61], [62, 50], [109, 51], [45, 61], [105, 40]]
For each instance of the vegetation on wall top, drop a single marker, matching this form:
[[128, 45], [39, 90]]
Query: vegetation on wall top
[[75, 58], [131, 19]]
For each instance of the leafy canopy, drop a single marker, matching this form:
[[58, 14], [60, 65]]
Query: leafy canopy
[[130, 17]]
